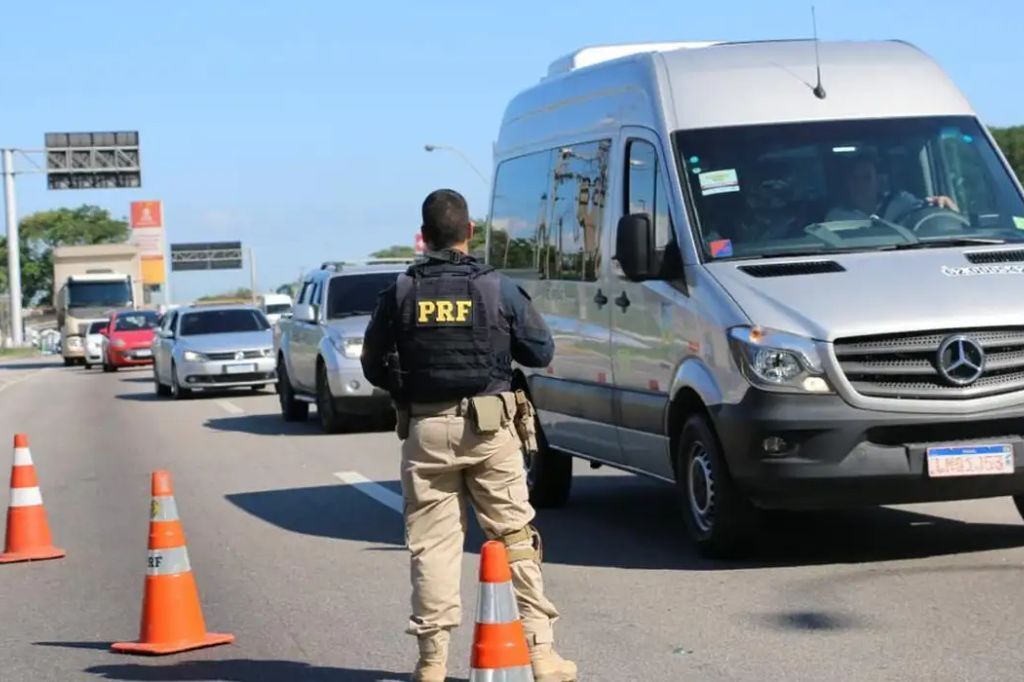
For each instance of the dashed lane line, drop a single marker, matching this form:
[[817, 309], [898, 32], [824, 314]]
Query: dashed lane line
[[230, 407], [389, 499]]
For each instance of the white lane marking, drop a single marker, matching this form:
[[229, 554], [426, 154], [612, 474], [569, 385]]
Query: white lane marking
[[389, 499], [230, 407]]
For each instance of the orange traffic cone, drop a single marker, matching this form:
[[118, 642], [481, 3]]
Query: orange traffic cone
[[172, 618], [499, 642], [28, 533]]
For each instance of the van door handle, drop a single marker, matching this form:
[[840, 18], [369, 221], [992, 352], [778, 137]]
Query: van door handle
[[622, 301], [600, 299]]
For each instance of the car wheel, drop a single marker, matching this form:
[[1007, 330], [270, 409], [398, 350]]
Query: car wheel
[[161, 390], [177, 392], [68, 362], [331, 420], [548, 474], [719, 518], [292, 410], [258, 387], [107, 367], [88, 365]]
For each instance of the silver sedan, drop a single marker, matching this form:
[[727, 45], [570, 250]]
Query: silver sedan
[[215, 347]]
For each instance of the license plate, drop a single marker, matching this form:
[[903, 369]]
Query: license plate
[[144, 353], [970, 460], [239, 369]]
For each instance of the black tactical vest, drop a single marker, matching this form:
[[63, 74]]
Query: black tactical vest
[[452, 341]]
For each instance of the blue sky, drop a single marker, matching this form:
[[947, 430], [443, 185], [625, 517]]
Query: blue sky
[[298, 127]]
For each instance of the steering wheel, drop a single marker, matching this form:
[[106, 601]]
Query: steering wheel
[[928, 219]]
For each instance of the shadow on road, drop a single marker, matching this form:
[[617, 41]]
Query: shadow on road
[[640, 528], [17, 365], [274, 425], [148, 397], [331, 511], [241, 670]]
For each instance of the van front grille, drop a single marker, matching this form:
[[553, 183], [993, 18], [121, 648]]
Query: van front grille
[[906, 366]]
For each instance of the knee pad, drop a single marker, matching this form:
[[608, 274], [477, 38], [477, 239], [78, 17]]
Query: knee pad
[[528, 534]]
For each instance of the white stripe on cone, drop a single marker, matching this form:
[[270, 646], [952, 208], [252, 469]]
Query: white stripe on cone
[[523, 674], [26, 497], [496, 604], [22, 457]]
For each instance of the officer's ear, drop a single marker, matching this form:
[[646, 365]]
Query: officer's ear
[[470, 231]]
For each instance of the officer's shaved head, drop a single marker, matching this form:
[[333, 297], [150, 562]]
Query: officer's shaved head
[[445, 219]]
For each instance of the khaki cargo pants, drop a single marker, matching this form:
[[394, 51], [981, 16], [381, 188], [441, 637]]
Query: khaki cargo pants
[[444, 461]]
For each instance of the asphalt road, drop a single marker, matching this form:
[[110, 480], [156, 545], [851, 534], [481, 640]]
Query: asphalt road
[[308, 570]]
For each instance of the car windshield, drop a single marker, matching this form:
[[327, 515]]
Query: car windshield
[[222, 322], [96, 327], [133, 322], [350, 295], [784, 189], [278, 308], [99, 294]]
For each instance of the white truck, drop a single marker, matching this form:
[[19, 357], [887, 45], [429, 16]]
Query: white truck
[[88, 282]]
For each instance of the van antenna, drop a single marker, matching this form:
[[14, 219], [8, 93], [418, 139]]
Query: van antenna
[[819, 89]]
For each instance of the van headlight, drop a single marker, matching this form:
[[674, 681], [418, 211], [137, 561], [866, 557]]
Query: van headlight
[[778, 361]]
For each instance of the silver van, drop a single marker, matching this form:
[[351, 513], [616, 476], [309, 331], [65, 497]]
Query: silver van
[[769, 290]]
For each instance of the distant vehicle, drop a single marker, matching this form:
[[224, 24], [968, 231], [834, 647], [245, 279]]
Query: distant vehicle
[[94, 340], [318, 349], [87, 282], [275, 306], [212, 347], [128, 339]]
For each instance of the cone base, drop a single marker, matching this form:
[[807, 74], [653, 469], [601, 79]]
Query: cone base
[[39, 554], [158, 649]]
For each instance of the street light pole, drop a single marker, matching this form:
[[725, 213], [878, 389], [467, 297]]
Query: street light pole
[[458, 152], [13, 248]]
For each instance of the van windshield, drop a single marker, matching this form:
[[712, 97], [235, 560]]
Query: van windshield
[[787, 189]]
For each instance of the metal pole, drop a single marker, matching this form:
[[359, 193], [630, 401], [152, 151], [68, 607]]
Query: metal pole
[[252, 274], [13, 248], [461, 155]]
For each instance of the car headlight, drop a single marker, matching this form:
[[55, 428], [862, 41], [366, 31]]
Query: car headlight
[[779, 361], [192, 356], [118, 343], [349, 346]]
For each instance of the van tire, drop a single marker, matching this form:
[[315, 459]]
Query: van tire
[[548, 475], [292, 410], [720, 520]]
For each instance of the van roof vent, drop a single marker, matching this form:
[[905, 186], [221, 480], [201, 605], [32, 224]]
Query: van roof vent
[[595, 54], [985, 257], [813, 267]]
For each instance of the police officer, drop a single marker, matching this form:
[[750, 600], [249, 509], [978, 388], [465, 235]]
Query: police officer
[[453, 326]]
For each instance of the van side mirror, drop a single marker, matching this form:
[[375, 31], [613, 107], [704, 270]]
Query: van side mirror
[[634, 246], [304, 312]]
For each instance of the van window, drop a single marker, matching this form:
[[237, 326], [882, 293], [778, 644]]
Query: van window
[[548, 210], [646, 190], [780, 189]]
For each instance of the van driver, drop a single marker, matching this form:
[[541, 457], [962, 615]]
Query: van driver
[[864, 197]]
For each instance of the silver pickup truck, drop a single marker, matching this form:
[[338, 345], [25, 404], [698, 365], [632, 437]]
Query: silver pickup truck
[[318, 348]]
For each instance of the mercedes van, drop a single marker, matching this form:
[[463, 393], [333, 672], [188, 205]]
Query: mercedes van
[[770, 289]]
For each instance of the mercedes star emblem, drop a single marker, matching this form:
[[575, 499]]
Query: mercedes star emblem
[[961, 360]]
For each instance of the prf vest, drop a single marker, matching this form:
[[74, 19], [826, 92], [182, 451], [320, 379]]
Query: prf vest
[[452, 342]]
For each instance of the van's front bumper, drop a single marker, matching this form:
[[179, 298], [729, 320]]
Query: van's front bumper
[[839, 455]]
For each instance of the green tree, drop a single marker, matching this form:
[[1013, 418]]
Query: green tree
[[1011, 141], [40, 232], [395, 252], [240, 294]]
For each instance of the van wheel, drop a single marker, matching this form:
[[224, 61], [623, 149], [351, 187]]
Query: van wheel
[[548, 474], [292, 410], [331, 420], [719, 518]]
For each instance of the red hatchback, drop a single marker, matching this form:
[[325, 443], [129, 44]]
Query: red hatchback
[[128, 339]]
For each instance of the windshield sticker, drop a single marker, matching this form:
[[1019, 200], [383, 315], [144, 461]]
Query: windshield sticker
[[1018, 222], [719, 182], [976, 270], [721, 248]]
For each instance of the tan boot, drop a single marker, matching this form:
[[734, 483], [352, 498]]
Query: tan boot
[[432, 665], [548, 666]]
